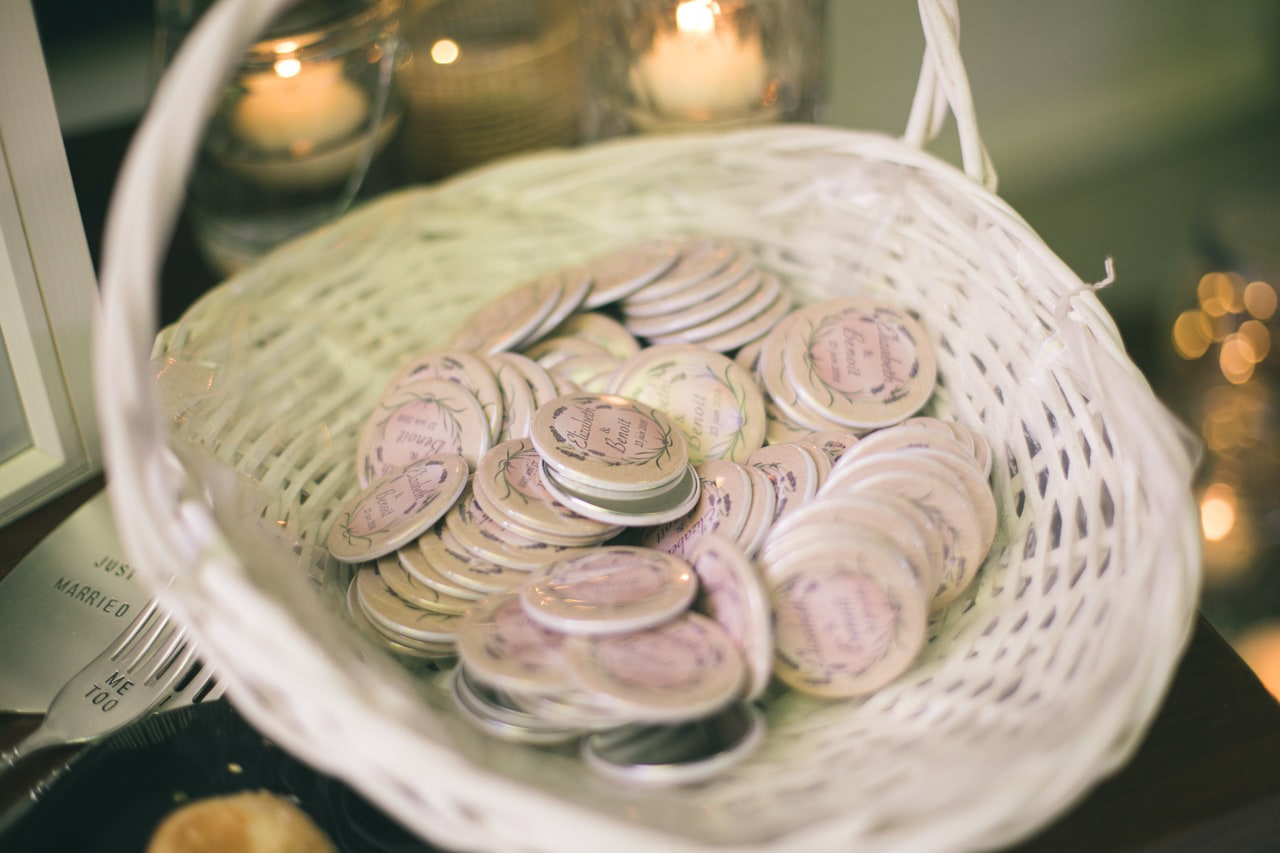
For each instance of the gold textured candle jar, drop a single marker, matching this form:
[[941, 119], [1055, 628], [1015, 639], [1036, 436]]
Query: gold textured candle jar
[[488, 79], [671, 65]]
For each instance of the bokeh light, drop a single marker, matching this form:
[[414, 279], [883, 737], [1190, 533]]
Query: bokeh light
[[1228, 533], [1236, 360], [1260, 649], [1218, 512], [1238, 511], [1260, 300], [1192, 334], [1235, 417], [1214, 307], [1221, 293], [1256, 335]]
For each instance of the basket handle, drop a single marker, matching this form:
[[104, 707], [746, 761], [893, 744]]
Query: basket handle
[[145, 203], [943, 86]]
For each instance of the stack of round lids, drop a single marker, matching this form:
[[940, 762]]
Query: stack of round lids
[[899, 528], [706, 291], [842, 364], [614, 460], [526, 313], [546, 321], [785, 511], [509, 487], [736, 502], [585, 350], [609, 639], [402, 614], [451, 401], [713, 295], [407, 617], [943, 467], [489, 543]]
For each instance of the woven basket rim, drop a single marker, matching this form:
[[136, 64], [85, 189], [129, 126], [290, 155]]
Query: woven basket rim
[[788, 139], [229, 608]]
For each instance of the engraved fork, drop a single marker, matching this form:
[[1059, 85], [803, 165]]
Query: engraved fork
[[150, 660]]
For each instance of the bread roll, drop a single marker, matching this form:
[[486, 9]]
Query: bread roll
[[247, 822]]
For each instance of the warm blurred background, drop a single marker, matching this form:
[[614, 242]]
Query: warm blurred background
[[1143, 130]]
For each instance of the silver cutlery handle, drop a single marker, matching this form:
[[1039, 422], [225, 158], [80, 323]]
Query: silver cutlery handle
[[39, 739]]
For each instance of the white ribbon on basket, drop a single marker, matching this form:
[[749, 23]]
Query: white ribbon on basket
[[144, 208]]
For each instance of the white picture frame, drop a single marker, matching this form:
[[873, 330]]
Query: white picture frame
[[48, 289]]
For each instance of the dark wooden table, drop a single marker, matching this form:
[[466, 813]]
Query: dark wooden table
[[1206, 777]]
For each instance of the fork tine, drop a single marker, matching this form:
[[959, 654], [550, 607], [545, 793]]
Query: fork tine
[[127, 680], [144, 643], [132, 630], [180, 668], [201, 685], [160, 658], [215, 693]]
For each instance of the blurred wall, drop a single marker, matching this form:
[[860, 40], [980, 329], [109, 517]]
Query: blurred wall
[[98, 54], [1066, 88], [1115, 125]]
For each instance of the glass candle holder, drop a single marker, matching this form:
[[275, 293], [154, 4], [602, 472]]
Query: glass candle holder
[[292, 139], [672, 65]]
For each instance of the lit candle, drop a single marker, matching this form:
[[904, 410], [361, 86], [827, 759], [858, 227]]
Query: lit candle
[[704, 68], [298, 112]]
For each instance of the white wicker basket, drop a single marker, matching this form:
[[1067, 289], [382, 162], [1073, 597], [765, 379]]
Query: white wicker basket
[[1032, 688]]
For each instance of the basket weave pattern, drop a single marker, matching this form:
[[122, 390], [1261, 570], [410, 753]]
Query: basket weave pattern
[[1034, 685]]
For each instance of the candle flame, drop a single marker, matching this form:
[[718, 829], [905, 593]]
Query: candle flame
[[287, 68], [445, 52], [697, 16]]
